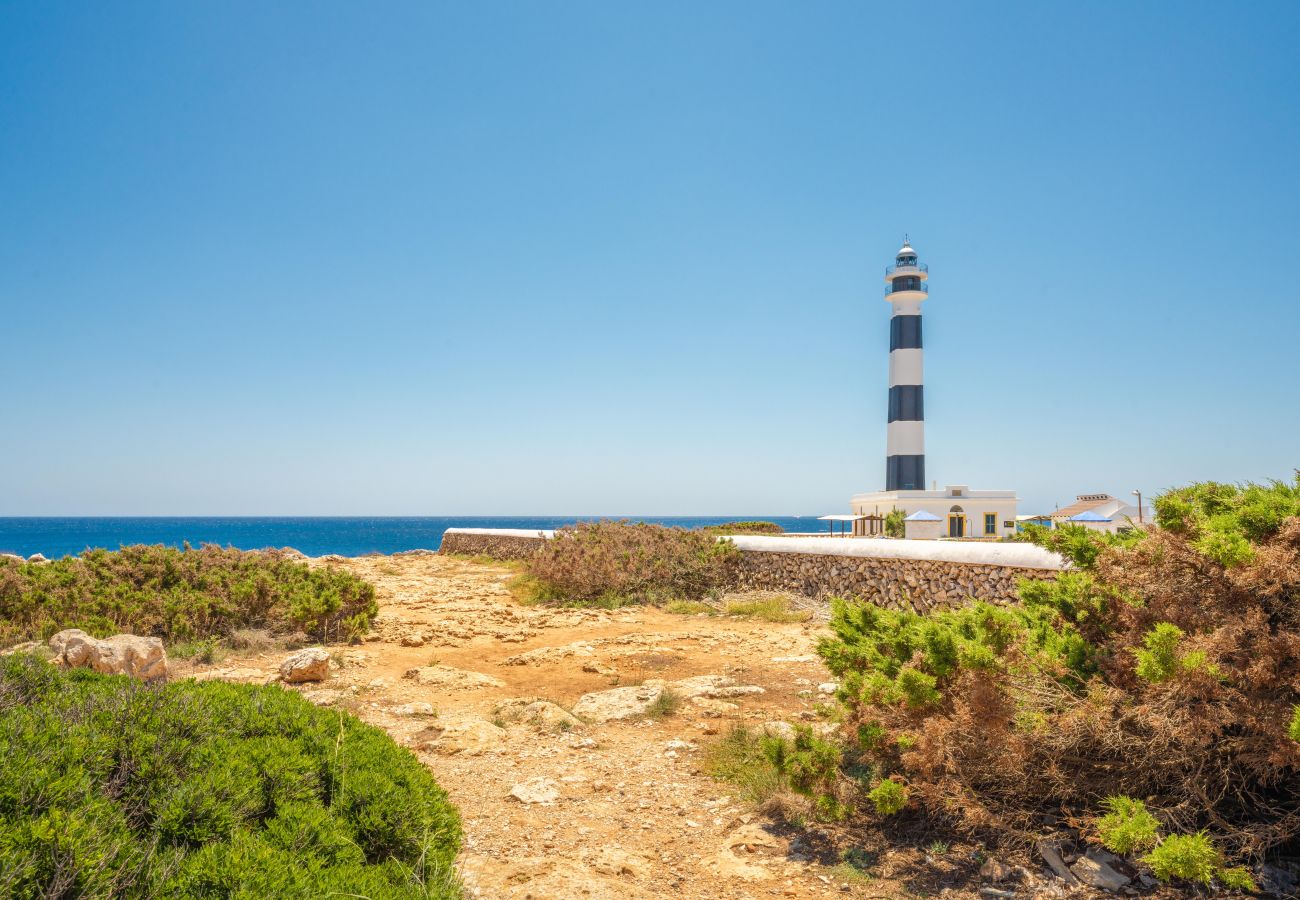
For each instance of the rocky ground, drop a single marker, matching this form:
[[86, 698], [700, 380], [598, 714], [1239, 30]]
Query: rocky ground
[[547, 729]]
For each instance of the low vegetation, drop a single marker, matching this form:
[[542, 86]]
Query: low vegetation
[[756, 527], [768, 607], [895, 525], [180, 594], [113, 788], [1164, 665], [614, 563]]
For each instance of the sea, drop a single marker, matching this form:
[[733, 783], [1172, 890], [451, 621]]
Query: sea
[[314, 536]]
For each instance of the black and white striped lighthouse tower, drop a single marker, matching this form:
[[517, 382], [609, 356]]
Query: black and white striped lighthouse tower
[[907, 288]]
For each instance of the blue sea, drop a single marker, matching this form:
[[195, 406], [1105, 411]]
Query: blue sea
[[315, 536]]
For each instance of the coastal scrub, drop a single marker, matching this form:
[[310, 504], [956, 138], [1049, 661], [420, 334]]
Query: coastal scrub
[[114, 788], [180, 594], [613, 563], [1163, 665]]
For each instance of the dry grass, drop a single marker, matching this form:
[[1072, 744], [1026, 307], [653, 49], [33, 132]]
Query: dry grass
[[739, 760], [691, 608], [768, 607], [666, 704]]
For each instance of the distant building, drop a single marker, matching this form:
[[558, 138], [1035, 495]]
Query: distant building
[[961, 512], [1101, 512], [958, 511]]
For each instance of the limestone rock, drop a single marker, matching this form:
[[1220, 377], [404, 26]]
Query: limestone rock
[[618, 703], [71, 646], [469, 736], [122, 654], [783, 730], [37, 558], [1094, 869], [415, 709], [701, 685], [995, 869], [540, 713], [412, 639], [446, 676], [310, 664], [714, 709], [616, 861], [536, 790]]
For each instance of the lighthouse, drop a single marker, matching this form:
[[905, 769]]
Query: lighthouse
[[956, 511], [906, 287]]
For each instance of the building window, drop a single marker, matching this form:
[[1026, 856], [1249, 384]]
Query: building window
[[990, 523]]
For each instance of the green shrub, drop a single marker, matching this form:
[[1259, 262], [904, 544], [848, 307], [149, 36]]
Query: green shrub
[[1192, 857], [1156, 661], [1127, 826], [810, 766], [889, 797], [612, 563], [896, 523], [744, 528], [113, 788], [182, 595]]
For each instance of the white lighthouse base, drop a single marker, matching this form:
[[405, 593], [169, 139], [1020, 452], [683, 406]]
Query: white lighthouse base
[[962, 513]]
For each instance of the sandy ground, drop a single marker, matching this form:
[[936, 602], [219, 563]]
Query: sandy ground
[[614, 810]]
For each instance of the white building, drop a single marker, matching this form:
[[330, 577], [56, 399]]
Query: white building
[[960, 512], [1101, 512]]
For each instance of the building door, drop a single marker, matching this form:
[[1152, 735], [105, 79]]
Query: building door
[[956, 522]]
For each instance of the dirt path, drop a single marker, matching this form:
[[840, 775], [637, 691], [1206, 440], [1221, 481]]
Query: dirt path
[[619, 809]]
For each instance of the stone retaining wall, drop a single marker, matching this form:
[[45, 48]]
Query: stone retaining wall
[[888, 572], [498, 546], [897, 583]]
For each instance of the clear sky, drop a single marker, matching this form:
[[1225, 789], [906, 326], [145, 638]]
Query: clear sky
[[559, 258]]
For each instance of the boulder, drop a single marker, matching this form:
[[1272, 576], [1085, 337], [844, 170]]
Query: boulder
[[129, 654], [618, 703], [122, 654], [37, 558], [310, 664]]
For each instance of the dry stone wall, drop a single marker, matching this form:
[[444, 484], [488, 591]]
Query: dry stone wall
[[922, 585], [499, 546], [897, 582]]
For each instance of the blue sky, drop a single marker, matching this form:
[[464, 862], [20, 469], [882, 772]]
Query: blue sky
[[340, 258]]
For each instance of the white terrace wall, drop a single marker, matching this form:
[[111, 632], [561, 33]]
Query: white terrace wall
[[922, 575]]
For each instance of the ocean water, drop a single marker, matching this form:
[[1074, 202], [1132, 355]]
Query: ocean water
[[315, 536]]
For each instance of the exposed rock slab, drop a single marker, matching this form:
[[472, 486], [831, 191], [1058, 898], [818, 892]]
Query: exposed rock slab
[[446, 676], [540, 713], [619, 703]]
